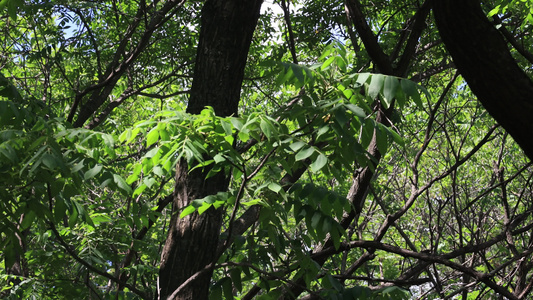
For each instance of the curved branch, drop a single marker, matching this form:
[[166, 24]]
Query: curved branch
[[372, 46], [412, 42], [290, 37], [115, 70]]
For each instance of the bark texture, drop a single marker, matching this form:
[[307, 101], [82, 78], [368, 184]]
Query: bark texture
[[225, 38], [481, 55], [190, 248]]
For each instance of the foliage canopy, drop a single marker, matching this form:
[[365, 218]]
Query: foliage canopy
[[359, 165]]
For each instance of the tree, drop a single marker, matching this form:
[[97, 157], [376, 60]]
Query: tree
[[193, 150], [225, 37]]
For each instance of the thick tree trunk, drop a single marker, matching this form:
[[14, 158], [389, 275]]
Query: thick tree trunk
[[481, 55], [225, 37]]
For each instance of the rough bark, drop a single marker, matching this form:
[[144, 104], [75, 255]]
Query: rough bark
[[191, 240], [225, 38], [481, 55]]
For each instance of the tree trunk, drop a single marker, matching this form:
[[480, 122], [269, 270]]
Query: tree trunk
[[481, 55], [225, 38]]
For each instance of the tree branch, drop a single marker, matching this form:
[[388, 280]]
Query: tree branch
[[483, 58]]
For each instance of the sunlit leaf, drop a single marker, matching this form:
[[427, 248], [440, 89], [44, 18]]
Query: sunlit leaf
[[390, 88], [274, 187], [187, 211], [356, 110], [122, 185], [152, 137], [319, 163], [93, 172], [376, 85], [304, 153]]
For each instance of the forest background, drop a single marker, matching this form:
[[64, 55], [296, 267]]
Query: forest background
[[216, 149]]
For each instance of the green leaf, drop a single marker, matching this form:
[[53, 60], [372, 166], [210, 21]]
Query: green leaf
[[382, 140], [124, 135], [164, 135], [205, 206], [152, 137], [235, 275], [122, 185], [356, 110], [390, 88], [284, 76], [393, 292], [29, 217], [133, 135], [8, 152], [149, 181], [304, 153], [358, 292], [267, 128], [494, 11], [327, 51], [317, 216], [3, 4], [73, 218], [319, 163], [336, 237], [298, 73], [227, 288], [327, 63], [376, 85], [219, 158], [92, 172], [108, 140], [297, 145], [135, 174], [187, 211], [227, 127], [347, 93], [237, 123], [396, 137], [158, 170], [216, 292], [7, 89], [276, 188], [529, 18], [60, 208], [50, 161], [341, 63], [362, 78], [411, 90], [341, 118], [12, 8], [243, 136]]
